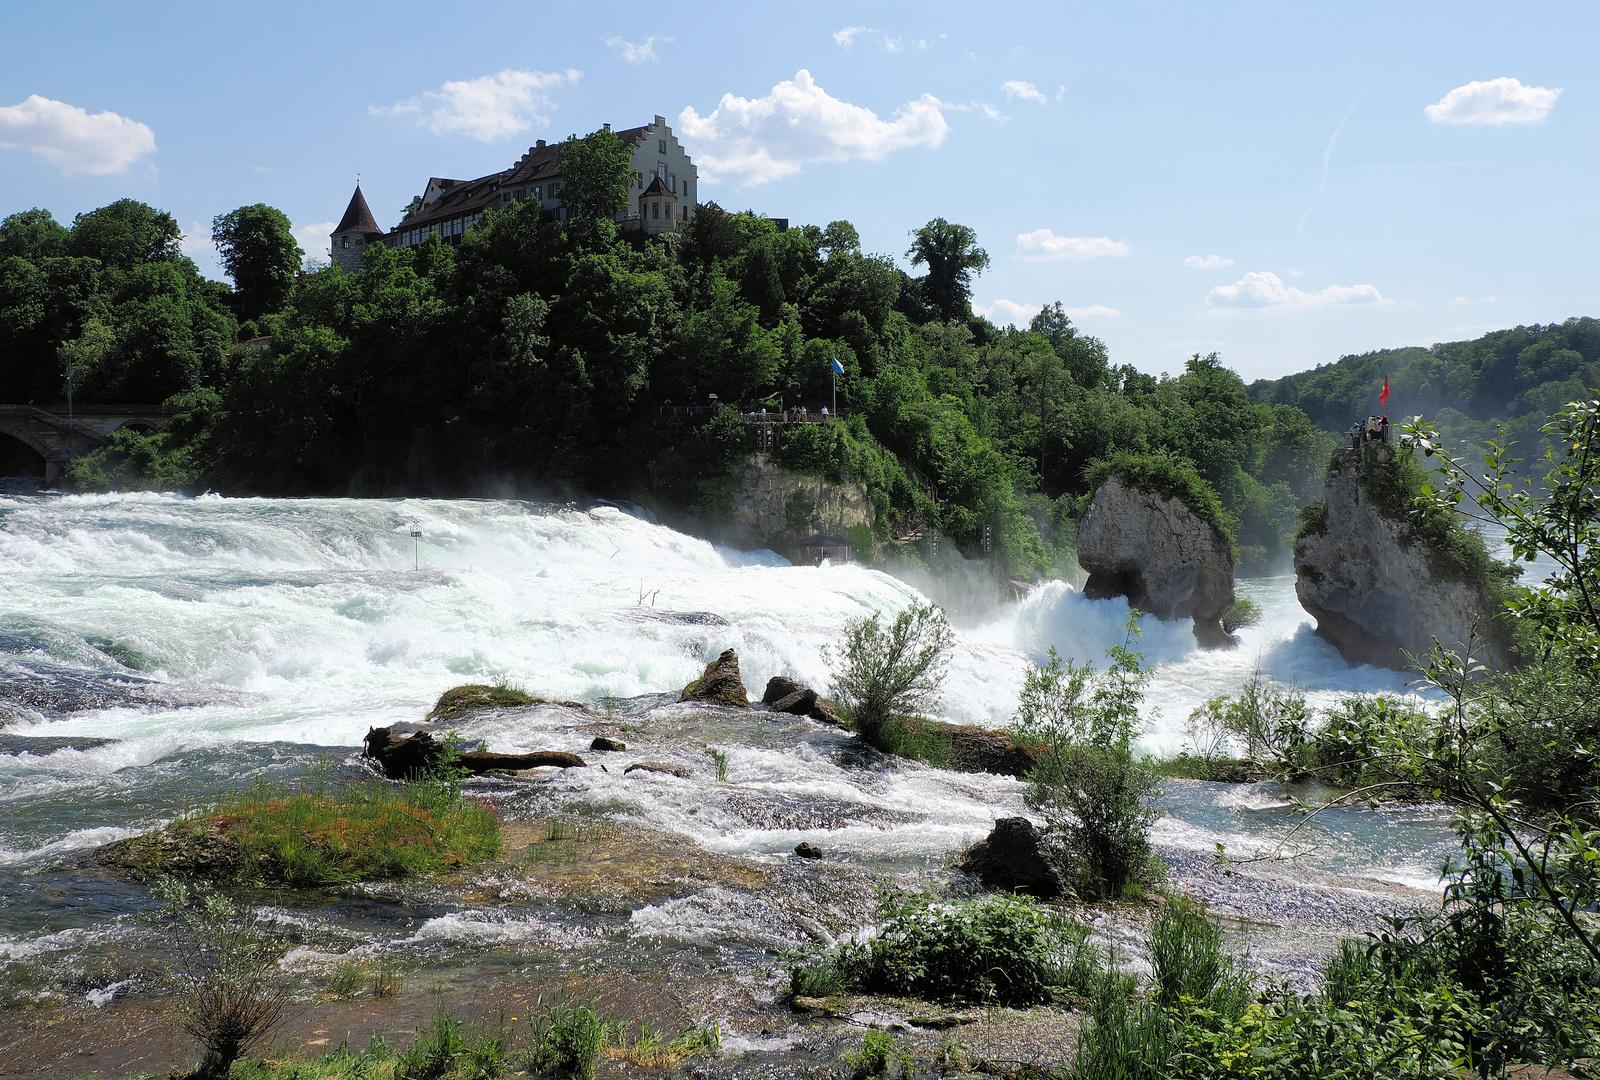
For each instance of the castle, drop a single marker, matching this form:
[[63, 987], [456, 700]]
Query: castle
[[662, 189]]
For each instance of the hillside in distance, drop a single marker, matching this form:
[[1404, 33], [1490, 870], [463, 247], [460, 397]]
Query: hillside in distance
[[1512, 378]]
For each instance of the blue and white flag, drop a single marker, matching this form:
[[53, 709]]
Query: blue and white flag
[[838, 368]]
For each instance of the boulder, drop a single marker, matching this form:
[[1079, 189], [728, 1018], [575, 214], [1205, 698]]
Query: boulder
[[800, 703], [666, 767], [1159, 554], [603, 743], [826, 711], [719, 683], [1365, 577], [780, 687], [808, 851], [1013, 858], [422, 755], [973, 749]]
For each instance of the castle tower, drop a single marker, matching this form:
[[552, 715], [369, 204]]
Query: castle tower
[[658, 208], [355, 231]]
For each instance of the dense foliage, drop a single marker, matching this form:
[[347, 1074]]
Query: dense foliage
[[538, 354]]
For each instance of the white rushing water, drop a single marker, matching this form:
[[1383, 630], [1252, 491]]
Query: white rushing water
[[220, 640]]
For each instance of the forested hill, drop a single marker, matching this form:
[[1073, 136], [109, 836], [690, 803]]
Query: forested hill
[[1516, 377]]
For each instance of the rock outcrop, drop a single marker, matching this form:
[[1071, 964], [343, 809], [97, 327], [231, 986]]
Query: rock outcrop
[[786, 695], [1014, 858], [773, 501], [719, 683], [1365, 577], [422, 755], [1159, 554]]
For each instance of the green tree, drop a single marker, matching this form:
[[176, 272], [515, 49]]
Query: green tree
[[257, 246], [952, 256], [898, 670], [595, 171], [125, 234]]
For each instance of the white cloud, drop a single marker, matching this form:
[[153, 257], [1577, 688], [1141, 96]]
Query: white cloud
[[313, 239], [1042, 244], [1016, 88], [1265, 291], [745, 141], [196, 242], [1207, 262], [1295, 273], [487, 108], [71, 139], [1007, 312], [1093, 311], [1498, 101], [846, 37], [636, 54]]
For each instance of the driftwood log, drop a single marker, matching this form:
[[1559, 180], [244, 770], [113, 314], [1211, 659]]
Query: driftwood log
[[419, 755]]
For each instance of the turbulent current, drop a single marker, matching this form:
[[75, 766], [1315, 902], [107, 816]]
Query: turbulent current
[[156, 651]]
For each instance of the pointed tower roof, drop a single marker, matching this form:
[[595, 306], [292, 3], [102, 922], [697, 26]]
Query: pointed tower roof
[[357, 217], [657, 187]]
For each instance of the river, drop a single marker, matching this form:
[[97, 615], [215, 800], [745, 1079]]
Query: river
[[212, 642]]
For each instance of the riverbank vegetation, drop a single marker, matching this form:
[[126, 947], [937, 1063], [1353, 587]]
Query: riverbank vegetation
[[542, 355], [321, 835]]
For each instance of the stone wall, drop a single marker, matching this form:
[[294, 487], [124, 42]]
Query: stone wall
[[769, 495]]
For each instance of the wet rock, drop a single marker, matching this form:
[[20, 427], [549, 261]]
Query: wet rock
[[780, 687], [603, 743], [1159, 554], [422, 755], [808, 851], [973, 749], [1366, 577], [800, 703], [666, 767], [1013, 858], [719, 683], [827, 712]]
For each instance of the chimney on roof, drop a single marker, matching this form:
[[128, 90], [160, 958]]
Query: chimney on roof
[[541, 144], [606, 125], [661, 121]]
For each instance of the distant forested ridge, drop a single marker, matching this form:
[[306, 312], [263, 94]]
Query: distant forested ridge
[[1515, 377], [539, 356]]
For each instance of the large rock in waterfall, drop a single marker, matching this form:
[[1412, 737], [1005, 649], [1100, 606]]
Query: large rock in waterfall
[[1160, 554], [1375, 586], [1015, 858], [719, 683]]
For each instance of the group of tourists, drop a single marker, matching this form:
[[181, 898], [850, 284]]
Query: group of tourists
[[1374, 429]]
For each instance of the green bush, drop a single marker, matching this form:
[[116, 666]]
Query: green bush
[[452, 1052], [898, 671], [1005, 950], [1097, 797], [880, 1053], [568, 1038], [1241, 613]]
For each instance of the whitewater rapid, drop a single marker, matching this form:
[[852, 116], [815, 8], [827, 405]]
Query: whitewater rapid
[[157, 652]]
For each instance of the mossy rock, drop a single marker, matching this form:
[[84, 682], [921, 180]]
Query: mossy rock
[[486, 696], [719, 683]]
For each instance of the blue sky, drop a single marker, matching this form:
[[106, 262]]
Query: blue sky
[[1281, 183]]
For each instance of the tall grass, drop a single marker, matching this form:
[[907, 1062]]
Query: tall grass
[[359, 831]]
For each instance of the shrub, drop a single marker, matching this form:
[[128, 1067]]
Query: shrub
[[897, 671], [229, 991], [879, 1054], [1005, 950], [1097, 798], [568, 1038], [452, 1052], [1243, 612], [1269, 724]]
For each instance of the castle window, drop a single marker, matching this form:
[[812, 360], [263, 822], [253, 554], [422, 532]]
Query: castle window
[[661, 146], [655, 210], [344, 241]]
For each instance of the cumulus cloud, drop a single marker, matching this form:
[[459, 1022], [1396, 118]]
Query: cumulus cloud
[[1498, 101], [1295, 273], [1007, 312], [636, 54], [1207, 262], [1265, 291], [1016, 88], [488, 108], [749, 141], [1042, 244], [846, 37], [314, 238], [1093, 311], [73, 140]]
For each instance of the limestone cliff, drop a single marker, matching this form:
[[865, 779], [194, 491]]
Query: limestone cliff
[[772, 501], [1160, 555], [1367, 578]]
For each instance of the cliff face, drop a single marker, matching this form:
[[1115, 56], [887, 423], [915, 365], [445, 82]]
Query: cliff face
[[772, 500], [1365, 578], [1160, 555]]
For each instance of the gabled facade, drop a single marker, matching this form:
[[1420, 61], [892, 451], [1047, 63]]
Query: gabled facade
[[448, 208]]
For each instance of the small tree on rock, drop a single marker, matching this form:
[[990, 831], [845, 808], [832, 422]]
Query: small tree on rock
[[898, 670]]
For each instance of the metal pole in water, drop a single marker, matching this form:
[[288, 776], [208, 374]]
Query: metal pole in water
[[416, 548]]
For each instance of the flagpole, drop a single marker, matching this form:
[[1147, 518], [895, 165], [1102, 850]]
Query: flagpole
[[833, 370]]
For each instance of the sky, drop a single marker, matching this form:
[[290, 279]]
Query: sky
[[1279, 183]]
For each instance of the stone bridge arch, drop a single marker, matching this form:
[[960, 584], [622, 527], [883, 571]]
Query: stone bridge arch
[[18, 451], [58, 437]]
